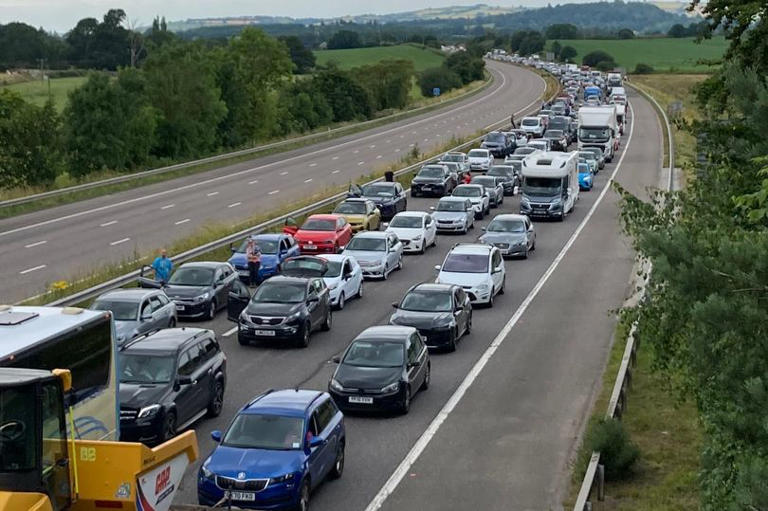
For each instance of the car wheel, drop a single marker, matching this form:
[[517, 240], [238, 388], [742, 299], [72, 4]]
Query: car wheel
[[211, 311], [525, 254], [490, 300], [423, 247], [242, 341], [503, 283], [465, 230], [328, 323], [305, 335], [400, 263], [169, 427], [303, 503], [338, 464], [533, 246], [385, 273], [360, 289], [452, 342], [217, 401], [340, 305], [172, 323], [434, 241], [468, 329], [472, 224], [405, 406], [427, 378]]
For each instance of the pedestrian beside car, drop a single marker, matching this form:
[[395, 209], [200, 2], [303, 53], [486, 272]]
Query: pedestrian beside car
[[512, 121], [163, 267], [253, 254]]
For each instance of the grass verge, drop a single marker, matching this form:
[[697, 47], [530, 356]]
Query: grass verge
[[422, 57], [426, 105], [37, 92]]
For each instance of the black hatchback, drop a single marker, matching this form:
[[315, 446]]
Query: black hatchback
[[442, 313], [169, 379]]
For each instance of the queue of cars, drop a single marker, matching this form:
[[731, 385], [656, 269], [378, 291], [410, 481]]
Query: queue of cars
[[283, 443]]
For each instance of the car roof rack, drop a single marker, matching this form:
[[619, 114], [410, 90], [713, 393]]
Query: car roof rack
[[260, 396], [139, 338], [313, 400]]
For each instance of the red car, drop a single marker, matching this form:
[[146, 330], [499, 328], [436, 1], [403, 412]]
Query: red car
[[323, 234]]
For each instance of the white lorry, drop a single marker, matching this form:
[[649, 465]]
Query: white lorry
[[614, 80], [550, 184], [598, 127]]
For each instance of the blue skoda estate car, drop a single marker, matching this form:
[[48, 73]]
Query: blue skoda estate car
[[279, 447]]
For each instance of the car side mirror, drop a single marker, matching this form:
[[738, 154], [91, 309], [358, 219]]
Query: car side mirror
[[146, 316], [313, 299], [437, 267], [316, 441], [497, 269], [484, 229], [184, 380], [216, 435], [232, 248], [432, 208], [395, 305], [336, 359], [384, 225]]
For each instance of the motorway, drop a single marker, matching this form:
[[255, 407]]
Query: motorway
[[69, 241], [502, 417]]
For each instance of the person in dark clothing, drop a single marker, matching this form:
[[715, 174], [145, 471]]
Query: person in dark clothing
[[253, 254], [512, 121]]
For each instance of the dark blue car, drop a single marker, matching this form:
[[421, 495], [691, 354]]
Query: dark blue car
[[279, 447], [275, 248]]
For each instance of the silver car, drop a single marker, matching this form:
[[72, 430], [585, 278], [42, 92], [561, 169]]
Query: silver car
[[377, 253], [493, 186], [454, 214], [513, 235], [137, 311]]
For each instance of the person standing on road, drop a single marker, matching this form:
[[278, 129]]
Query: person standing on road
[[253, 254], [163, 267], [512, 121]]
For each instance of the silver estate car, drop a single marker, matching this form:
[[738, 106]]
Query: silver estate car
[[137, 311], [513, 235], [377, 253]]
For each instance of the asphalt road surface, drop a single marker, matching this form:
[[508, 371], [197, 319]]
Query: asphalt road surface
[[67, 242], [504, 444]]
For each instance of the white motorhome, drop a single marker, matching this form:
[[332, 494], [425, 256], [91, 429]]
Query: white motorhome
[[618, 91], [550, 185], [598, 127], [614, 80]]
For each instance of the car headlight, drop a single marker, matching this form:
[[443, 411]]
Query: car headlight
[[483, 288], [392, 387], [417, 238], [203, 297], [293, 317], [333, 286], [244, 318], [335, 385], [207, 474], [283, 478], [148, 411]]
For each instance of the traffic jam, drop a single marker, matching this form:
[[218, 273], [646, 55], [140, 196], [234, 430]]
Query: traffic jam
[[481, 213]]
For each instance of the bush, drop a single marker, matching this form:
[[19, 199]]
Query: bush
[[593, 58], [438, 77], [643, 69], [605, 65], [617, 452]]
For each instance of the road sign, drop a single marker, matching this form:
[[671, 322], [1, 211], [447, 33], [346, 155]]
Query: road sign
[[436, 91]]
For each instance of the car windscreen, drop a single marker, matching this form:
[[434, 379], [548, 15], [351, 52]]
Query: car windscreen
[[525, 150], [594, 150], [466, 263], [465, 191], [594, 133], [186, 276], [553, 134], [530, 122], [316, 224], [501, 171], [587, 155], [265, 246], [583, 168], [379, 190], [506, 225], [431, 172], [280, 292], [121, 311], [478, 153], [427, 301], [487, 182], [146, 368], [542, 186], [407, 222], [350, 208], [445, 205], [261, 431], [367, 244], [495, 138], [454, 157], [375, 354], [334, 269]]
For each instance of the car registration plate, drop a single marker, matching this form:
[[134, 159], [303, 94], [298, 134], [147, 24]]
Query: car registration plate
[[240, 495], [264, 333], [179, 307], [362, 400]]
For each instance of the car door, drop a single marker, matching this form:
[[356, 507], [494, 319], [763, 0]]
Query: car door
[[146, 318], [169, 308], [460, 315], [497, 270], [317, 456], [347, 282], [394, 249], [313, 303], [416, 366], [530, 236], [329, 432], [430, 230], [293, 247], [401, 200], [237, 300], [188, 394], [160, 313]]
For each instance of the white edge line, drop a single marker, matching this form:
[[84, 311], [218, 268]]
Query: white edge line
[[36, 244], [107, 224], [119, 242], [181, 221], [421, 444], [29, 270], [229, 332]]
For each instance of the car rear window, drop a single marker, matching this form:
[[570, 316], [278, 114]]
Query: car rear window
[[466, 263]]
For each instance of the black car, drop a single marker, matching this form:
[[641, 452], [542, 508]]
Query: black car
[[434, 179], [508, 174], [382, 369], [557, 138], [389, 196], [169, 379], [199, 290], [285, 309], [499, 144], [566, 125], [442, 313]]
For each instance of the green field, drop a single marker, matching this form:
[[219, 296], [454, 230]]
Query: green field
[[664, 54], [422, 58], [37, 92]]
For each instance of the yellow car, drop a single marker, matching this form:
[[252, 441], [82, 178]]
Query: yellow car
[[362, 214]]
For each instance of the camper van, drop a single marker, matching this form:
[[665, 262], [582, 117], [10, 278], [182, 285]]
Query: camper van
[[550, 184], [598, 127]]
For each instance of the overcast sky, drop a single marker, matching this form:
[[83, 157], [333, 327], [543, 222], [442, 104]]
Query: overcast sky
[[61, 15]]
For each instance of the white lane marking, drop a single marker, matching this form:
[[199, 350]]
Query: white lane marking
[[284, 173], [388, 141], [211, 194], [234, 204], [355, 151], [423, 441], [490, 126], [168, 206], [118, 242], [260, 167], [361, 163], [107, 224], [372, 146], [30, 270], [274, 192], [335, 172], [308, 180], [253, 182], [229, 332], [379, 157], [313, 164], [335, 158], [36, 244], [397, 150], [182, 221], [426, 140]]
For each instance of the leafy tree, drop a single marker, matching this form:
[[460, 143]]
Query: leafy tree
[[344, 39], [593, 58], [303, 107], [21, 45], [625, 33], [431, 41], [388, 82], [562, 31], [677, 30], [347, 98], [468, 68], [556, 49], [159, 35], [642, 69], [30, 152], [438, 77], [568, 53], [302, 57]]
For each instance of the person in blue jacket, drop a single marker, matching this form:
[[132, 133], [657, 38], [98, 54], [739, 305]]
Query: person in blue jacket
[[163, 267]]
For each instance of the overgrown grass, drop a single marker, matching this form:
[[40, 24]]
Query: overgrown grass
[[37, 92], [422, 58], [664, 54], [64, 181]]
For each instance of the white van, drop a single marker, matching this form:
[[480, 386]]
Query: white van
[[550, 186], [533, 126]]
